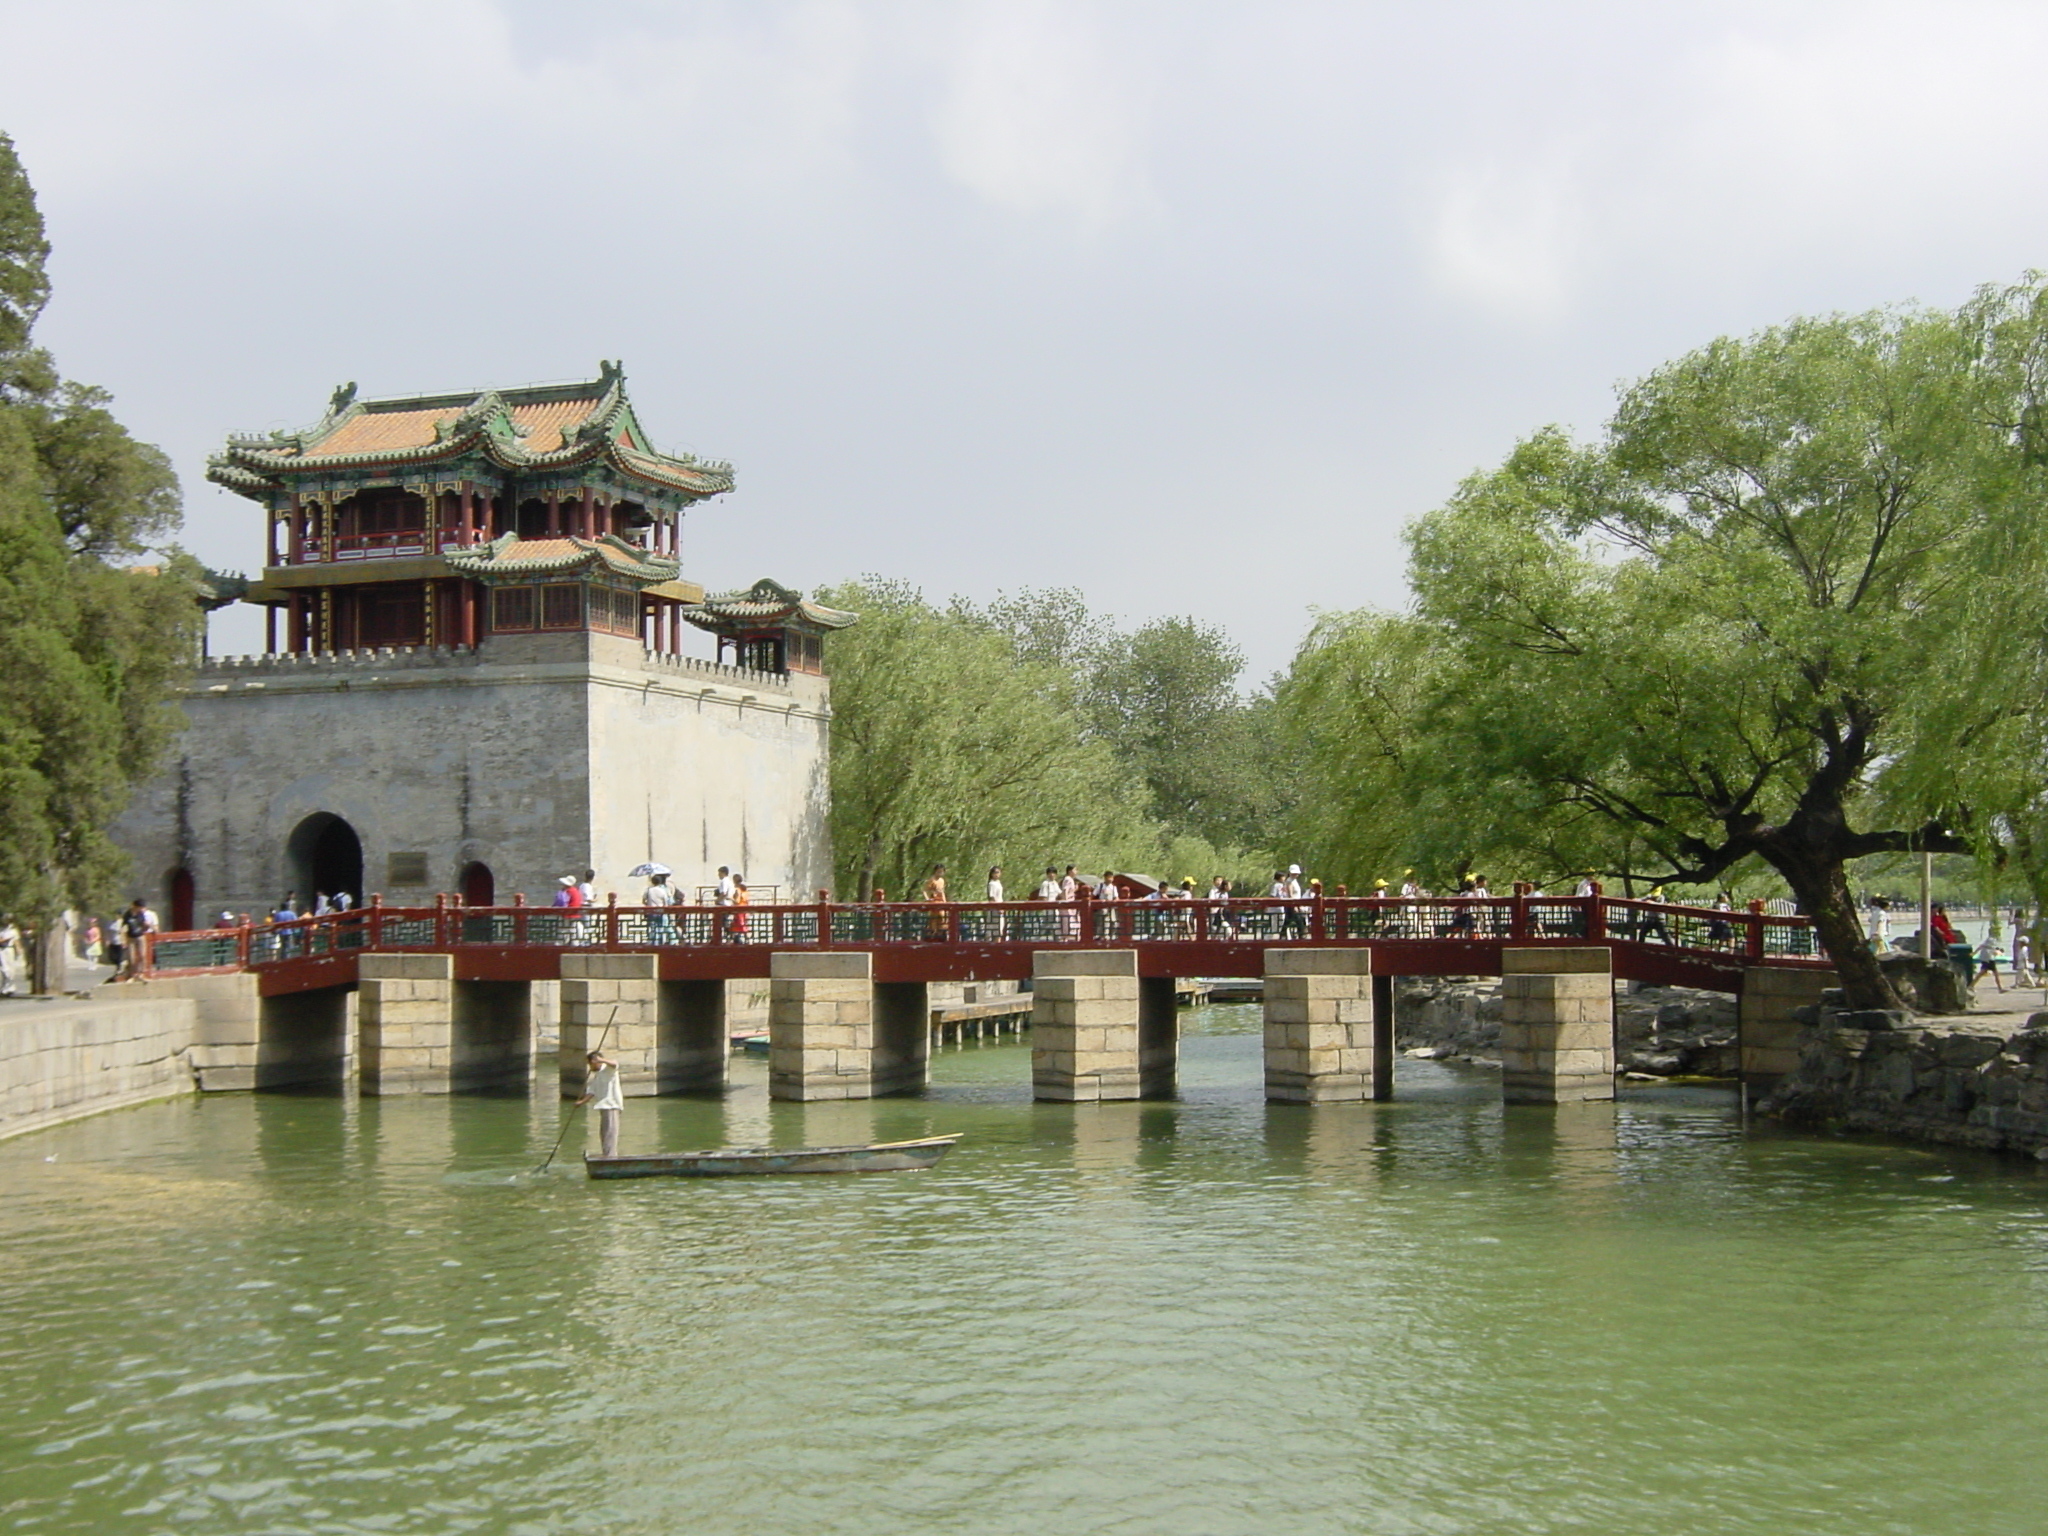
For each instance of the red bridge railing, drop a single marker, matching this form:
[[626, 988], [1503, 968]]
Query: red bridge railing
[[1738, 938]]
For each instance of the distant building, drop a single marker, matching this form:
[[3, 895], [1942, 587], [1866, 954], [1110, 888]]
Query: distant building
[[473, 682]]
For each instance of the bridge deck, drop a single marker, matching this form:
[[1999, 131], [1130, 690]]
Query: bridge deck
[[1660, 943]]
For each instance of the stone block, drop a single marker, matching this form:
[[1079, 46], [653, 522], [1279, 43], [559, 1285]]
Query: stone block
[[821, 965], [1319, 962], [1049, 963], [1557, 961], [624, 967], [400, 967]]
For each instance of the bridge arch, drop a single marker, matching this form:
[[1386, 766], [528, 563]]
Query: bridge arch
[[324, 855]]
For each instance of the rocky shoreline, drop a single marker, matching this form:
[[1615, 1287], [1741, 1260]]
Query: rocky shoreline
[[1659, 1031], [1963, 1081]]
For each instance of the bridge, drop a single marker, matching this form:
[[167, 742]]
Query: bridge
[[443, 992]]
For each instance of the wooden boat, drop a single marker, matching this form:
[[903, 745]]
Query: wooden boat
[[877, 1157]]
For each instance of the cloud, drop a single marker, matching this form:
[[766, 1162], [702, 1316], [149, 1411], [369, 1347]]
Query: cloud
[[1506, 237], [1033, 116]]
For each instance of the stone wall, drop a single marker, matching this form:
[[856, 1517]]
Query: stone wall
[[1943, 1080], [61, 1059], [536, 755]]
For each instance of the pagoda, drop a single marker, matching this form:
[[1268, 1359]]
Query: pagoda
[[473, 684], [439, 520]]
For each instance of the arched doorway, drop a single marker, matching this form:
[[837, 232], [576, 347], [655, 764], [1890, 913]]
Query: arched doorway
[[323, 857], [179, 899], [479, 885]]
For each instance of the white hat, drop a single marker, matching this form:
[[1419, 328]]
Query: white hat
[[1294, 869], [568, 879]]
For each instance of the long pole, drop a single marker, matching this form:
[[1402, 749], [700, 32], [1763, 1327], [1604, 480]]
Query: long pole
[[1927, 906], [570, 1119]]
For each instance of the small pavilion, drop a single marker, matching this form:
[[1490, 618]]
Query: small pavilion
[[768, 627], [441, 520]]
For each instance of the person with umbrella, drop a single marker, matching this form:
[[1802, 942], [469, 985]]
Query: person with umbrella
[[657, 898]]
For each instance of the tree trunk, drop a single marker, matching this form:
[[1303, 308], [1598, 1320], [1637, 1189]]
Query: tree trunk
[[1821, 887]]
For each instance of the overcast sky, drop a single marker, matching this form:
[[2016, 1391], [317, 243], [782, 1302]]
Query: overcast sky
[[1190, 305]]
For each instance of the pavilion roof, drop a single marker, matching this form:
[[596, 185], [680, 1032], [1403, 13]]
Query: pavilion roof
[[764, 605], [526, 428], [510, 557]]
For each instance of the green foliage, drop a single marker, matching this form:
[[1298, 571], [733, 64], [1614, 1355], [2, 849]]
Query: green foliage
[[1032, 731], [1164, 698], [947, 749], [1714, 638], [89, 652]]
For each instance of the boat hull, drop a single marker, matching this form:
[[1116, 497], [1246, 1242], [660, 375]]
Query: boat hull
[[881, 1157]]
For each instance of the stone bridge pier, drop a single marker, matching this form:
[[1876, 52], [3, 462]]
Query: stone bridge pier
[[1557, 1025], [834, 1032], [422, 1031], [1323, 1028], [667, 1036]]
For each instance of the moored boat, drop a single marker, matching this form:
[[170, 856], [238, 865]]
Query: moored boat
[[876, 1157]]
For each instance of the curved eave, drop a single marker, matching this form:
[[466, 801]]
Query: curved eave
[[710, 616], [264, 467], [497, 561]]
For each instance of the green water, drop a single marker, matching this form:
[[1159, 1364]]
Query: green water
[[286, 1314]]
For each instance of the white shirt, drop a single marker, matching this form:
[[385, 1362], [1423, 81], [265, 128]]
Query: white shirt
[[995, 890], [658, 896], [726, 890], [1106, 892], [1048, 889], [603, 1088]]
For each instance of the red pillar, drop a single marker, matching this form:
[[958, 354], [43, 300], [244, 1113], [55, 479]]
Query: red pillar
[[270, 629], [554, 515], [272, 560]]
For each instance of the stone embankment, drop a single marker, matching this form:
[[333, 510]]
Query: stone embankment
[[1659, 1031], [1974, 1081], [62, 1057]]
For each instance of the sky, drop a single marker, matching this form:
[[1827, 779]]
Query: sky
[[1192, 306]]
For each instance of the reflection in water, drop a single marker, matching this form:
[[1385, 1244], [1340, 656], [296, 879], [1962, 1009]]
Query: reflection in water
[[1432, 1315]]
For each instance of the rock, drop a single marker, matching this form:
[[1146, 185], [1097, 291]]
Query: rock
[[2037, 1021], [1931, 986], [1865, 1018]]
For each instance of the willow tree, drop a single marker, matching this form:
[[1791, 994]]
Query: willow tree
[[90, 650], [947, 748], [1726, 630]]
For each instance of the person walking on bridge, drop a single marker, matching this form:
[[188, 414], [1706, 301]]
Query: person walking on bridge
[[1106, 894], [1048, 892], [935, 897]]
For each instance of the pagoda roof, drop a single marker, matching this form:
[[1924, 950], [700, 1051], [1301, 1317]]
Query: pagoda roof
[[527, 428], [764, 605], [509, 558]]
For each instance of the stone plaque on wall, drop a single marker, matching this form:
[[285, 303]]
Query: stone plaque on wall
[[402, 869]]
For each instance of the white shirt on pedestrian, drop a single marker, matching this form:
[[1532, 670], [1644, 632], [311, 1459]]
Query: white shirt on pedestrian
[[604, 1088]]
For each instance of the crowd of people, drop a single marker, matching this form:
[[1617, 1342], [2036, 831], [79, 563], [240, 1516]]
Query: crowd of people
[[1986, 959]]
